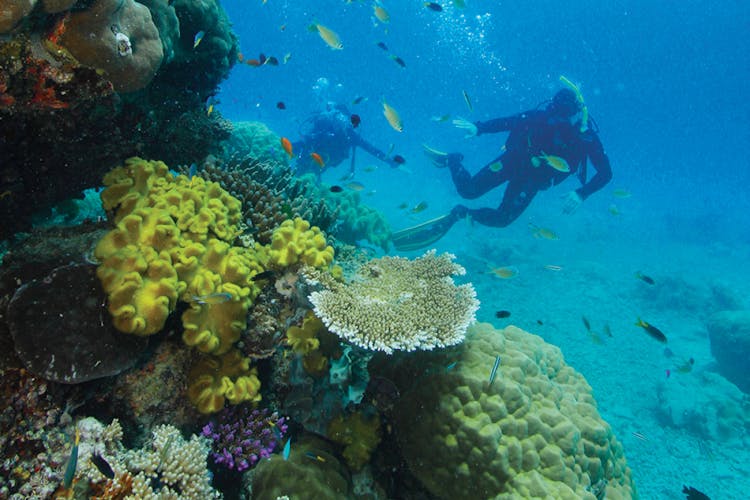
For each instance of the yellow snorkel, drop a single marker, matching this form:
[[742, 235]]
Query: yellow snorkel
[[579, 97]]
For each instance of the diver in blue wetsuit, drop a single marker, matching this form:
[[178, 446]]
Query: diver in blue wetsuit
[[543, 148], [331, 135]]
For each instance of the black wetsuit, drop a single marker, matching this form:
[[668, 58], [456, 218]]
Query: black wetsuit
[[333, 137], [532, 134]]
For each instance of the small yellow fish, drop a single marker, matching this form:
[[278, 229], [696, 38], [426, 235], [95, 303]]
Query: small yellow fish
[[686, 367], [556, 162], [210, 110], [441, 118], [612, 209], [542, 233], [496, 166], [198, 38], [621, 193], [468, 101], [381, 13], [286, 58], [393, 118], [460, 4], [506, 272], [403, 206], [419, 207], [329, 36], [552, 267], [355, 186], [370, 168]]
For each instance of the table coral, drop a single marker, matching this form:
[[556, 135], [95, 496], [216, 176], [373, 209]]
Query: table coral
[[118, 37], [400, 304], [535, 432]]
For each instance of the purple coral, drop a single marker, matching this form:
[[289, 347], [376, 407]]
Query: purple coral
[[241, 437]]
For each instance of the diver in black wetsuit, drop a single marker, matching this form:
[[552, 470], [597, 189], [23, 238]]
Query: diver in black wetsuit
[[544, 147], [331, 135]]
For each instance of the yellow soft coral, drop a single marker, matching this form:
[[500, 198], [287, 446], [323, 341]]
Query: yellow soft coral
[[303, 340], [359, 435], [172, 242], [294, 241], [213, 381]]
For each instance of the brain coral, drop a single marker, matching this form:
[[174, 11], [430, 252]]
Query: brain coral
[[534, 433], [399, 303]]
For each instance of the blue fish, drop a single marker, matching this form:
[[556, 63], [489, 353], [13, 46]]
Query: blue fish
[[287, 449], [198, 38], [493, 373], [451, 366], [192, 170]]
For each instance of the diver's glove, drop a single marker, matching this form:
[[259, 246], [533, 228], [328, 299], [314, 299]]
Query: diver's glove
[[571, 202], [467, 126]]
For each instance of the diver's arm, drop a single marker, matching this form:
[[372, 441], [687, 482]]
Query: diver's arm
[[498, 125], [357, 141], [600, 162]]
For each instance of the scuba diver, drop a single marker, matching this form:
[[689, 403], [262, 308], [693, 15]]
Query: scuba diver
[[328, 138], [543, 148]]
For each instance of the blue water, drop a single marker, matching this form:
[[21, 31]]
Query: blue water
[[667, 84]]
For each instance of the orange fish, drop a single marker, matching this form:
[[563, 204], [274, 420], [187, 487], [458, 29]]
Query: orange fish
[[240, 57], [287, 146], [253, 62], [318, 159]]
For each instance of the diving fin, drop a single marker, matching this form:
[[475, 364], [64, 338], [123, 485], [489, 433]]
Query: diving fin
[[438, 158], [424, 234]]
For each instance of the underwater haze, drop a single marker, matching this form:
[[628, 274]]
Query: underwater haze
[[666, 83]]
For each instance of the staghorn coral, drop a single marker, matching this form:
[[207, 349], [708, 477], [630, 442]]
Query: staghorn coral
[[400, 304], [533, 433], [118, 37]]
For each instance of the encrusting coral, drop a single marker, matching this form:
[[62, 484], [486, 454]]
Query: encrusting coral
[[359, 434], [533, 432], [400, 304]]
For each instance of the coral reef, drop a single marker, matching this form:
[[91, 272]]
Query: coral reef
[[400, 304], [729, 333], [359, 434], [256, 141], [214, 381], [295, 242], [56, 93], [534, 432], [117, 37], [241, 437], [73, 339], [303, 475]]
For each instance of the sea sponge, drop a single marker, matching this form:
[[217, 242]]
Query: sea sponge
[[118, 37], [296, 242], [213, 381], [13, 11], [400, 304], [359, 434], [534, 432]]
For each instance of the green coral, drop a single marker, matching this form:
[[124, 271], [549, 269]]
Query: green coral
[[359, 434], [256, 140], [534, 432]]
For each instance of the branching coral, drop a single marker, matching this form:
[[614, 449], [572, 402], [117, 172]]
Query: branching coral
[[241, 437], [400, 304]]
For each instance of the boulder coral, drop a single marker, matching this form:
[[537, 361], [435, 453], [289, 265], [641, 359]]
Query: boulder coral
[[13, 11], [117, 37], [534, 432]]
